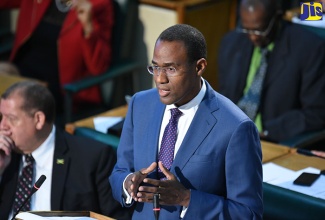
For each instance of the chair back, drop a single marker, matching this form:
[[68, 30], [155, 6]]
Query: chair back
[[125, 15], [316, 30], [108, 139], [123, 34]]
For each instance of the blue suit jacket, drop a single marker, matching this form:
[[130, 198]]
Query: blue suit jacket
[[219, 158]]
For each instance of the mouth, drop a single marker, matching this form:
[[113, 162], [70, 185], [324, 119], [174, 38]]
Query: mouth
[[163, 92]]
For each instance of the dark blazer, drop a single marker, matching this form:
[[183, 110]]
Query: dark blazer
[[219, 158], [80, 184], [293, 96]]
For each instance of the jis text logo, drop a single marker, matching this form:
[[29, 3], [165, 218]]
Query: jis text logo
[[311, 11]]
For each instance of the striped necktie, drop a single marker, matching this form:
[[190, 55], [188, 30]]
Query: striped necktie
[[250, 102]]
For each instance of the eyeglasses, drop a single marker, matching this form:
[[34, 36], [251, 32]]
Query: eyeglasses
[[257, 32], [168, 70]]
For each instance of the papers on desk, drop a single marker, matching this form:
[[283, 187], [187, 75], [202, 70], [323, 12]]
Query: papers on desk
[[283, 177], [103, 123], [30, 216]]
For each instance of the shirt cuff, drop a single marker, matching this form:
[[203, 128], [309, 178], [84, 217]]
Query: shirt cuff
[[126, 195], [183, 212]]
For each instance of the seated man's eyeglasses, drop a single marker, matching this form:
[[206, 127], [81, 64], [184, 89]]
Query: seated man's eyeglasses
[[257, 32], [168, 70]]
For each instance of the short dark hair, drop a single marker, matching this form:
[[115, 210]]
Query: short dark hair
[[192, 38], [36, 98]]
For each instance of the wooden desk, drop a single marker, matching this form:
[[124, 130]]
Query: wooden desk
[[89, 122], [271, 151], [289, 158], [7, 80], [294, 161]]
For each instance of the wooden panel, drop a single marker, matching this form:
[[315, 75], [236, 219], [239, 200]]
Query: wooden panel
[[212, 19], [7, 80]]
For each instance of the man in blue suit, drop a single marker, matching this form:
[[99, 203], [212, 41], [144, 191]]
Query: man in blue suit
[[216, 171]]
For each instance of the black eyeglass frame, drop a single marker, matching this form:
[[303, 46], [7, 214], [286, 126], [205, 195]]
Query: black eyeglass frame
[[257, 32]]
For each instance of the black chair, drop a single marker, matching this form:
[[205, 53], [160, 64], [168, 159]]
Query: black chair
[[126, 14], [312, 139], [309, 140]]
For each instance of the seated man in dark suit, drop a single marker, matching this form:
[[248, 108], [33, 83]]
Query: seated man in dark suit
[[283, 91], [76, 168]]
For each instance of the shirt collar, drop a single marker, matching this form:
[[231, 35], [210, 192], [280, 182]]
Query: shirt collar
[[47, 146]]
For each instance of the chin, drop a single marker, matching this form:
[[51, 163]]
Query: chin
[[166, 101], [17, 150]]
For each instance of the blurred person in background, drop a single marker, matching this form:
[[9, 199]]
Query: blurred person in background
[[61, 41], [286, 99]]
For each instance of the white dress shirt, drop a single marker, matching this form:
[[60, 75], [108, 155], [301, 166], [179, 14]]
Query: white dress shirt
[[184, 122]]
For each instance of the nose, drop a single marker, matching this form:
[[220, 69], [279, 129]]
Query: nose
[[255, 39], [161, 77]]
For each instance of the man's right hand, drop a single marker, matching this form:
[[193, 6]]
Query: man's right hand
[[6, 146], [134, 180]]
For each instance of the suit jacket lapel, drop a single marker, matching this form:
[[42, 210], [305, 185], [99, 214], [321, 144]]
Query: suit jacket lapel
[[61, 162], [278, 56], [204, 121], [153, 136], [240, 72], [8, 185]]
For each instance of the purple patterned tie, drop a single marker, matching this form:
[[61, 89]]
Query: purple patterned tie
[[24, 186], [166, 154]]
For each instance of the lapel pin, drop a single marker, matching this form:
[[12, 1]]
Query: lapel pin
[[60, 161]]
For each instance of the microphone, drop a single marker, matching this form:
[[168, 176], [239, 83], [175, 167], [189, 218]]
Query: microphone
[[38, 184], [36, 187], [156, 207]]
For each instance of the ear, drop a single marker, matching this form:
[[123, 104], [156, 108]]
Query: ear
[[39, 119], [201, 65]]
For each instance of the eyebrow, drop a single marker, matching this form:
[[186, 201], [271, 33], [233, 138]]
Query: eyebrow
[[165, 64]]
